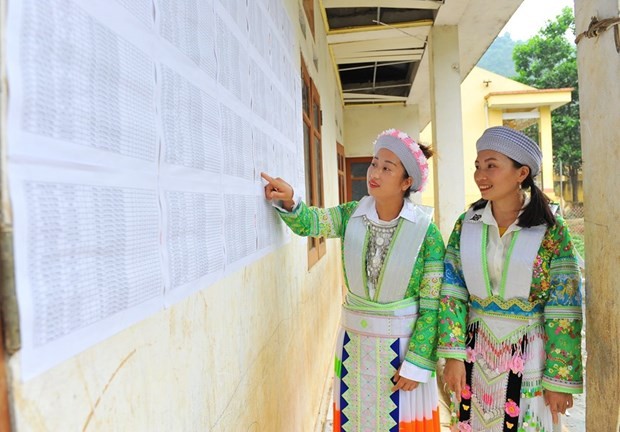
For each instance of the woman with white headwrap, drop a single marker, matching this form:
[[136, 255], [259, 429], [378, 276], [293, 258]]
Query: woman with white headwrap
[[510, 311]]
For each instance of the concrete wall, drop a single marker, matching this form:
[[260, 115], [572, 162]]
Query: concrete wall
[[250, 353], [599, 63], [364, 123]]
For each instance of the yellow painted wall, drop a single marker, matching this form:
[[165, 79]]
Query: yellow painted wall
[[473, 90], [567, 188], [250, 353], [363, 123]]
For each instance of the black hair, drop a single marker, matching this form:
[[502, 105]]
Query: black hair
[[537, 212], [428, 153]]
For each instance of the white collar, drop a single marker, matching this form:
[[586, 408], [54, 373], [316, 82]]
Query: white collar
[[489, 219], [367, 208]]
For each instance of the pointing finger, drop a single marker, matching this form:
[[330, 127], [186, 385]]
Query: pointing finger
[[268, 178]]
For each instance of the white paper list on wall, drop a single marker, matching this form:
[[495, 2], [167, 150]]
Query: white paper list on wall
[[189, 26], [83, 84], [195, 239], [236, 136], [266, 217], [137, 131], [87, 257], [233, 70], [191, 124], [94, 253], [240, 229], [141, 9]]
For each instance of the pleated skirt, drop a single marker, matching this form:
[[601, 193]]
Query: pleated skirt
[[365, 363]]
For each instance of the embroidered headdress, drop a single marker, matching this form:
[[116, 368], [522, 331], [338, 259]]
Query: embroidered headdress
[[409, 153], [514, 144]]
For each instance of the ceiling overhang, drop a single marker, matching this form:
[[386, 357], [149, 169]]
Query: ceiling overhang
[[379, 47], [397, 4]]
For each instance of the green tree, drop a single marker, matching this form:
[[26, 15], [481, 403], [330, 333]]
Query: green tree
[[549, 60]]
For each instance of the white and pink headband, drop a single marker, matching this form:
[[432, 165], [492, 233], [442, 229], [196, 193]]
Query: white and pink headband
[[409, 153]]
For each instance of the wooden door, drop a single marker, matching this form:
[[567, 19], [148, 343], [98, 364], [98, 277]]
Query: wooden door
[[356, 177]]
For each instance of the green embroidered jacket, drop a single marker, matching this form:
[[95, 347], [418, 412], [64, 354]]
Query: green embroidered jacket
[[424, 284], [555, 289]]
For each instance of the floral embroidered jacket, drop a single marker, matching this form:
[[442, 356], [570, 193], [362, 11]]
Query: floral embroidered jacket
[[555, 291], [424, 284]]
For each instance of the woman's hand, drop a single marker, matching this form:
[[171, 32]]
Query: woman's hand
[[278, 189], [558, 403], [402, 383], [454, 376]]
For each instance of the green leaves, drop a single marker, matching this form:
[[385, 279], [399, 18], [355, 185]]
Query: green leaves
[[549, 60]]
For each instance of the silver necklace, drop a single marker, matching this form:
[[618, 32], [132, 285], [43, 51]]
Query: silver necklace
[[378, 245]]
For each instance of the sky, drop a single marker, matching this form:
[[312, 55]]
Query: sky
[[532, 16]]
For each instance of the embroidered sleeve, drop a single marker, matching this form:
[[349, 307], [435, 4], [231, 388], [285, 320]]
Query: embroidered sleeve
[[563, 316], [318, 222], [423, 344], [453, 300]]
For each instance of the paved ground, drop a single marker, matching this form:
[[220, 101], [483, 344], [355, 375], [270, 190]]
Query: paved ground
[[576, 419]]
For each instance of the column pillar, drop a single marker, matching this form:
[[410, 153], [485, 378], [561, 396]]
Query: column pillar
[[495, 117], [546, 145], [447, 124], [598, 65]]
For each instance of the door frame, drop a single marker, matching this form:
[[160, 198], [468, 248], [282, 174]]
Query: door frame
[[349, 161], [342, 173]]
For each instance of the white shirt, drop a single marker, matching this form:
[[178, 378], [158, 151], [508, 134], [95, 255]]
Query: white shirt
[[497, 247], [367, 207]]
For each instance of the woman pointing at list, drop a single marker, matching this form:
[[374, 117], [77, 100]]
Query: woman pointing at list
[[393, 267]]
